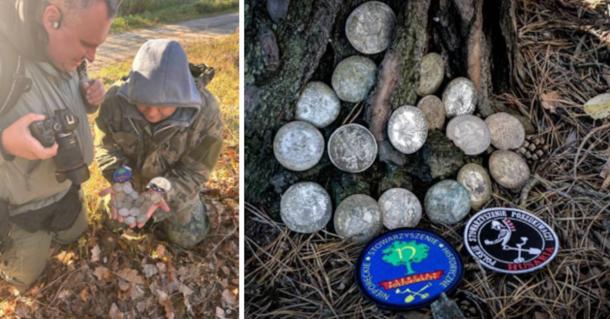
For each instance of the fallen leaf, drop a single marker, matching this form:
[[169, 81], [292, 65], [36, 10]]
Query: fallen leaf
[[115, 313], [160, 251], [102, 273], [131, 275], [84, 294], [149, 270], [64, 294], [95, 254], [220, 313], [124, 285], [166, 302], [549, 101], [228, 298]]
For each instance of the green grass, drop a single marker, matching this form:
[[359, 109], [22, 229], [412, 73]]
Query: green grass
[[139, 14], [221, 53]]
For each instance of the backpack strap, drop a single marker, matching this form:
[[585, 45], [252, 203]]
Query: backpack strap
[[13, 82]]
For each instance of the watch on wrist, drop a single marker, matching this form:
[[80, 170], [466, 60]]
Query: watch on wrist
[[7, 157]]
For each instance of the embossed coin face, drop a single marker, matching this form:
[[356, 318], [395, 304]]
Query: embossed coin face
[[352, 148], [407, 129], [460, 97], [431, 74], [507, 132], [508, 169], [469, 133], [318, 105], [298, 146], [305, 207], [434, 111], [353, 78], [358, 218], [399, 208], [447, 202], [476, 180], [369, 27]]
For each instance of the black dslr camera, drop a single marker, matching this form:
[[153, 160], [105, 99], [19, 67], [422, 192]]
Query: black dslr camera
[[69, 159]]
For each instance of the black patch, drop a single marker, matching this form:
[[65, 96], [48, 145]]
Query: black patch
[[510, 240]]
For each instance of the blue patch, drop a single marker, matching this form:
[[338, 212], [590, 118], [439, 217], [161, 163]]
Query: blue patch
[[408, 268], [122, 174]]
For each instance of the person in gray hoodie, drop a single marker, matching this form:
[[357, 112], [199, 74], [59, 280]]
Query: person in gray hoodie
[[44, 42], [160, 122]]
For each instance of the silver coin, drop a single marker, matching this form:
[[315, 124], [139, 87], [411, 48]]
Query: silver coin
[[135, 211], [160, 183], [358, 218], [460, 97], [399, 208], [353, 78], [305, 207], [469, 133], [129, 220], [318, 105], [506, 131], [352, 148], [476, 180], [447, 202], [431, 74], [434, 110], [508, 169], [128, 188], [369, 27], [124, 212], [407, 129], [298, 146], [117, 187], [134, 195]]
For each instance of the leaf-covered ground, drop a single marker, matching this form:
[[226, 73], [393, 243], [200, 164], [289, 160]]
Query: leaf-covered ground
[[135, 273]]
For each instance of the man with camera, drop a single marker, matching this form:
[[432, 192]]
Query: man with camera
[[45, 139], [162, 122]]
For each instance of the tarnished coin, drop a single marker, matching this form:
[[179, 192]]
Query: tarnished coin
[[353, 78], [399, 208], [508, 169], [447, 202], [298, 146], [431, 74], [407, 129], [124, 212], [130, 220], [476, 180], [134, 211], [469, 133], [460, 97], [369, 27], [318, 104], [506, 131], [134, 195], [434, 110], [128, 188], [352, 148], [358, 218], [305, 207]]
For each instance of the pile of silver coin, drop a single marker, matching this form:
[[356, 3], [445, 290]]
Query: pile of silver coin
[[306, 207], [131, 205]]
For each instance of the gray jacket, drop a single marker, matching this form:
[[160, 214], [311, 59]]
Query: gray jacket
[[25, 184]]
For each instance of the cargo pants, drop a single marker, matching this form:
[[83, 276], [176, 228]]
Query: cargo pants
[[26, 256], [186, 224]]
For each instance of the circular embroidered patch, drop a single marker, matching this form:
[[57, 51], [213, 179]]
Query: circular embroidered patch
[[122, 174], [408, 268], [510, 240]]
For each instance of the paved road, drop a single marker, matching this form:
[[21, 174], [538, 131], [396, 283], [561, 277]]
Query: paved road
[[123, 46]]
